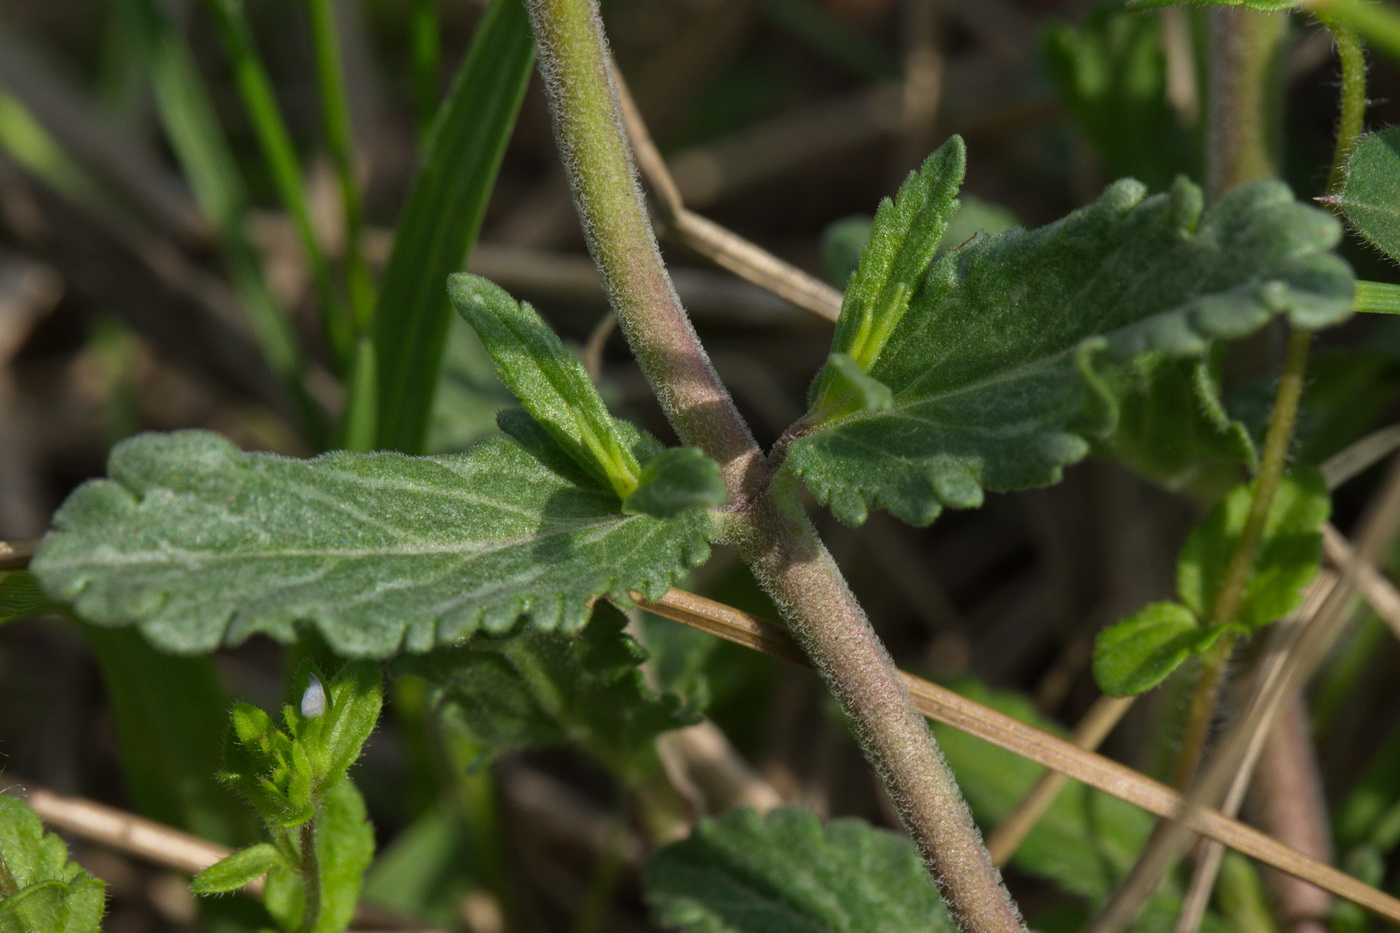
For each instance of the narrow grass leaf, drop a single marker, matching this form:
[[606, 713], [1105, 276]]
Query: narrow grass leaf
[[787, 873], [21, 597], [440, 220], [162, 707], [187, 114], [200, 544], [997, 370]]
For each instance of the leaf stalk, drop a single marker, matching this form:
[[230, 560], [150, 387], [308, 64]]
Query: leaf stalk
[[764, 518]]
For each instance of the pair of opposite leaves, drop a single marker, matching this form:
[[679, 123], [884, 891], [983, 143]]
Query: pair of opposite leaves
[[988, 369]]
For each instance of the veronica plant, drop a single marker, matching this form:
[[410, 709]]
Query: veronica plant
[[989, 368]]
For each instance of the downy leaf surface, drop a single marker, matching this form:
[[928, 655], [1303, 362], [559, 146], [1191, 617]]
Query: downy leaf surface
[[1173, 429], [200, 544], [558, 394], [549, 382], [997, 368], [1289, 554], [787, 873], [1137, 654], [1370, 195], [40, 890], [903, 238], [548, 689], [238, 869]]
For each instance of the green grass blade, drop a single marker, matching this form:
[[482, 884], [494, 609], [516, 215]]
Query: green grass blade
[[187, 115], [441, 220], [163, 705], [283, 165], [427, 58], [335, 112], [1378, 297]]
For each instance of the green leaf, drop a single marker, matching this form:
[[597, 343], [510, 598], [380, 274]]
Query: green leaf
[[902, 241], [21, 597], [333, 740], [1087, 840], [1289, 555], [344, 841], [1370, 195], [843, 240], [1137, 654], [850, 389], [1111, 72], [674, 481], [40, 890], [550, 383], [237, 870], [200, 544], [441, 218], [786, 873], [545, 689], [997, 369], [1172, 427]]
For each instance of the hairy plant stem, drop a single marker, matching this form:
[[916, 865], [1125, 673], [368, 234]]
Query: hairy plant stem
[[765, 518], [1205, 694], [311, 877], [573, 61], [1242, 109], [1351, 115], [780, 545]]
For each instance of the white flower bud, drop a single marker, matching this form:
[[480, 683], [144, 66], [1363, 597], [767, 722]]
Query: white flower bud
[[313, 701]]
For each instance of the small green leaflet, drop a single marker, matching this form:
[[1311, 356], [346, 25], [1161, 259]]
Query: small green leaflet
[[787, 873], [557, 392], [549, 382], [1138, 653], [1370, 195], [547, 689], [997, 369], [905, 234], [200, 544], [237, 870], [40, 890], [1173, 428], [1289, 555]]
